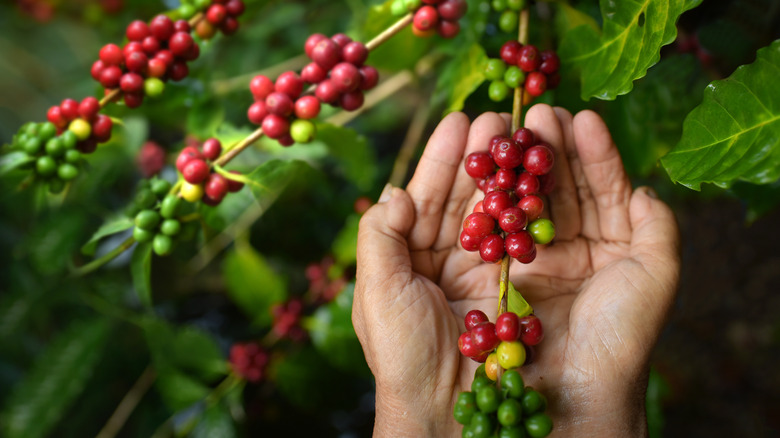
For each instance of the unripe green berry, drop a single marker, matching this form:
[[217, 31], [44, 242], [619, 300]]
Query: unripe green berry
[[81, 128], [170, 227], [201, 4], [141, 235], [30, 129], [162, 245], [498, 91], [498, 5], [46, 166], [160, 187], [515, 5], [186, 11], [507, 22], [145, 198], [32, 146], [147, 219], [55, 147], [170, 206], [514, 77], [398, 7], [153, 87], [67, 171], [494, 69], [538, 425], [72, 156], [302, 131], [542, 230], [46, 131], [412, 5], [69, 139]]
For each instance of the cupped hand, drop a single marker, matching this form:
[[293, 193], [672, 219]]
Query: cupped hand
[[602, 289]]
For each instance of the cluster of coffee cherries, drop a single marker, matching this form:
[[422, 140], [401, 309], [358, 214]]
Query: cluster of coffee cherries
[[522, 66], [432, 16], [219, 15], [287, 320], [53, 158], [513, 174], [509, 11], [84, 120], [150, 159], [249, 360], [501, 344], [156, 214], [326, 280], [201, 181], [512, 410], [339, 78]]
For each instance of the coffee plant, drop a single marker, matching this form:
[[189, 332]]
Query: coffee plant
[[182, 183]]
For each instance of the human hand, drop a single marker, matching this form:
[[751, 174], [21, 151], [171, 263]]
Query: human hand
[[602, 289]]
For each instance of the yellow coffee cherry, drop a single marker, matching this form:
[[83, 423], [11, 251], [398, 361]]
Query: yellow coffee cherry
[[191, 192], [510, 354], [81, 128], [491, 367]]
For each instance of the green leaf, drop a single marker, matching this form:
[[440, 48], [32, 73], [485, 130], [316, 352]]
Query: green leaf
[[657, 390], [56, 379], [112, 226], [733, 134], [460, 77], [13, 161], [760, 200], [569, 18], [216, 422], [270, 179], [629, 43], [141, 272], [204, 118], [345, 244], [332, 333], [304, 378], [252, 284], [353, 152], [178, 390], [516, 302], [186, 349]]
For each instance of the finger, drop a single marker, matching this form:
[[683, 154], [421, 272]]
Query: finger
[[482, 130], [382, 251], [434, 177], [605, 176], [564, 203]]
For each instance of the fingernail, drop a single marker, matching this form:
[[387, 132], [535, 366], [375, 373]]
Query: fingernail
[[651, 193], [385, 196]]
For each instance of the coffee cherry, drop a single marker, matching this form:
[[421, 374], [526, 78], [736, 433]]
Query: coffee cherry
[[186, 155], [97, 69], [131, 83], [536, 83], [538, 160], [474, 318], [234, 185], [195, 171], [531, 331], [355, 53], [54, 115], [479, 165], [538, 425], [327, 91], [542, 230], [89, 108], [205, 30], [496, 202], [507, 326], [141, 235], [492, 248], [491, 367], [510, 412], [507, 154], [452, 10], [161, 27], [466, 345], [191, 192], [507, 21], [154, 87], [55, 147], [181, 25], [312, 41], [512, 220], [448, 29], [110, 76], [484, 335], [512, 383], [178, 71], [369, 77], [70, 109], [514, 77], [45, 166], [326, 53], [481, 425], [465, 407], [426, 18], [341, 39], [479, 224], [307, 107], [111, 54], [351, 100], [275, 126], [345, 76], [137, 30], [180, 44], [147, 219], [302, 131], [510, 51], [257, 112], [519, 244], [510, 355], [532, 205], [216, 187], [527, 184], [235, 8], [169, 206], [506, 179], [528, 58], [550, 62], [261, 86], [216, 14], [279, 104], [494, 69], [162, 245], [313, 73], [533, 401], [498, 91], [469, 242], [67, 171], [290, 84]]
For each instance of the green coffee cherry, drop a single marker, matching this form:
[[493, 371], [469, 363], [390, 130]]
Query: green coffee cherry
[[481, 425], [512, 432], [495, 69], [141, 235], [32, 145], [302, 131], [538, 425], [507, 21], [56, 185], [542, 230], [67, 171], [162, 245], [488, 399], [170, 206], [170, 227], [154, 87], [68, 139], [514, 77], [533, 401], [498, 91], [147, 219], [160, 187], [145, 198], [515, 5], [46, 166], [512, 383], [46, 131], [498, 5], [55, 147], [72, 156], [510, 412]]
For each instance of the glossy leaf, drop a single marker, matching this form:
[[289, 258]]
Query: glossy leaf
[[735, 133], [461, 76], [56, 379], [178, 390], [353, 152], [216, 422], [252, 284], [345, 243], [141, 271], [186, 349], [112, 226], [516, 302], [13, 161], [628, 44]]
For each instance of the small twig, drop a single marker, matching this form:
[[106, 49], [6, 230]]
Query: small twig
[[224, 86], [128, 404], [517, 103], [389, 32], [108, 98], [95, 264]]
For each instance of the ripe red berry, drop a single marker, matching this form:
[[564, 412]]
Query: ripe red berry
[[212, 148], [131, 83], [70, 109], [137, 31], [426, 18], [327, 91], [341, 39], [312, 41], [111, 54], [484, 336], [345, 76], [216, 187], [469, 242], [54, 115], [508, 326], [257, 112], [506, 179], [538, 160], [532, 205], [466, 345], [195, 171], [479, 165], [178, 71], [528, 258], [233, 185], [275, 126], [290, 84], [369, 77], [279, 104], [137, 62], [110, 76], [161, 27], [101, 128], [512, 220], [261, 86], [492, 248], [527, 184], [507, 154], [510, 50], [165, 56], [150, 159], [474, 318], [133, 99], [307, 107], [181, 26], [235, 7], [193, 53], [354, 53], [448, 29], [326, 53], [496, 202], [519, 244], [229, 26], [452, 10], [550, 62], [528, 58], [180, 44], [313, 73], [479, 224], [97, 69], [186, 155], [156, 68], [536, 83], [531, 331], [216, 14], [524, 137], [478, 208], [286, 140], [352, 100], [89, 108]]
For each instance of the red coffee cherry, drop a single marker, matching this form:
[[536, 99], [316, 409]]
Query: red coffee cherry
[[369, 77], [480, 165], [290, 84], [474, 318], [195, 171], [532, 206], [279, 104], [261, 86], [512, 220], [507, 154], [355, 53], [311, 42], [479, 224], [520, 244], [536, 83], [216, 187], [426, 18], [508, 327], [327, 91], [313, 73], [527, 184], [352, 100], [492, 248], [496, 202], [469, 242], [510, 50], [275, 126], [484, 337], [345, 76], [212, 148], [257, 112], [186, 155], [111, 54], [307, 107], [506, 179], [452, 10], [137, 31], [89, 108], [528, 58], [326, 53], [538, 160], [161, 27], [531, 332]]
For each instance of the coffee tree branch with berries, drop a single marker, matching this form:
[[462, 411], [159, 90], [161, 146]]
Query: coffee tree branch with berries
[[211, 230]]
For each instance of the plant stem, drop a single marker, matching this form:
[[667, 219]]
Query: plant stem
[[517, 104], [225, 86], [128, 404], [389, 32], [113, 94], [95, 264], [503, 284]]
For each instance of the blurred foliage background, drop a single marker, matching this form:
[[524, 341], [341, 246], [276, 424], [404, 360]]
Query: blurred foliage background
[[86, 356]]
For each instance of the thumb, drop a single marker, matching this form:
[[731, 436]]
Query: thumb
[[655, 241]]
